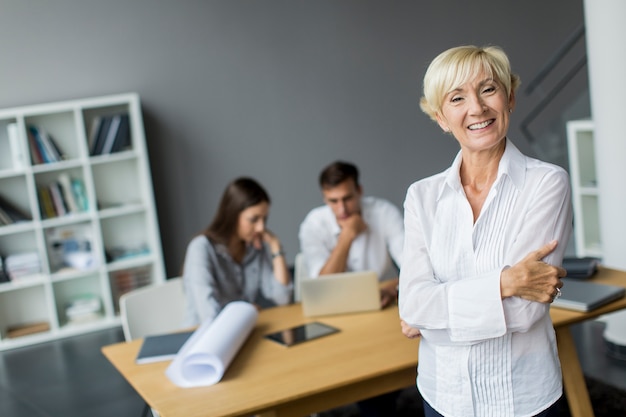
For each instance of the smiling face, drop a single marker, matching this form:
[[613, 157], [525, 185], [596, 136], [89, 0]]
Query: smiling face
[[252, 220], [477, 113]]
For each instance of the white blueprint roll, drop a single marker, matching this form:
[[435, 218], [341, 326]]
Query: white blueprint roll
[[203, 359]]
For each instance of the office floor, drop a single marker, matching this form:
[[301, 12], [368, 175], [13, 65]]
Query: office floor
[[71, 378]]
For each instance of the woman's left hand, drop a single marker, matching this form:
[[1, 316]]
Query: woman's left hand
[[408, 331]]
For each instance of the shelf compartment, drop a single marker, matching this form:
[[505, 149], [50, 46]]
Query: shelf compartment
[[95, 118], [12, 195], [62, 193], [70, 248], [24, 307], [22, 244], [112, 186], [61, 127], [125, 280], [126, 236], [79, 301]]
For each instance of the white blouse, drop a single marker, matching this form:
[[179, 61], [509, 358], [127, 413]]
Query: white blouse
[[481, 355]]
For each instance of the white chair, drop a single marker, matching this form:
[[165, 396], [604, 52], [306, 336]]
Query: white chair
[[299, 273], [154, 309], [150, 310]]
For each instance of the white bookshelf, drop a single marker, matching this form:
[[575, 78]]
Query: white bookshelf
[[584, 188], [120, 219]]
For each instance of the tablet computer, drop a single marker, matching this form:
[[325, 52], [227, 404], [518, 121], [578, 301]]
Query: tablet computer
[[301, 334]]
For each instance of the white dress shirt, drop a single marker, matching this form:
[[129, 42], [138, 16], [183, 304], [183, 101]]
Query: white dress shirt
[[375, 249], [481, 355]]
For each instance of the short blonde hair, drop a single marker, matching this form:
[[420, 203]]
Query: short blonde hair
[[455, 66]]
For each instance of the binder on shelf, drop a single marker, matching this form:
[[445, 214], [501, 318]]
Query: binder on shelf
[[94, 131], [19, 159], [78, 189], [122, 138], [101, 137], [45, 202], [112, 134]]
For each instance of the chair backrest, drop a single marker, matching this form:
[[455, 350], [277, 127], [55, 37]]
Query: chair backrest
[[299, 273], [154, 309]]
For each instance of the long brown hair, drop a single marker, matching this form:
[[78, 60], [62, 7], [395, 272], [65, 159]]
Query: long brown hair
[[240, 194]]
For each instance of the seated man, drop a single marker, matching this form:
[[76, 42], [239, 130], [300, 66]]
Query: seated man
[[351, 232], [355, 233]]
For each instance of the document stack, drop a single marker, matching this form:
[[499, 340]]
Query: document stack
[[21, 265]]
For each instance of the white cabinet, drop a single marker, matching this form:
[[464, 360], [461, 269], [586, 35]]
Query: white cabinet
[[69, 269], [584, 188]]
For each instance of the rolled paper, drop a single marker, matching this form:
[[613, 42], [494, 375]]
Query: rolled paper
[[204, 358]]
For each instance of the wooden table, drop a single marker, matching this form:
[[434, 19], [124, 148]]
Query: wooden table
[[370, 356], [573, 378]]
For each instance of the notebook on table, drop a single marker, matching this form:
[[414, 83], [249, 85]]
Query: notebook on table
[[586, 295], [346, 292]]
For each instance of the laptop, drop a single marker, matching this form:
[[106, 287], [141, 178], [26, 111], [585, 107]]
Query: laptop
[[346, 292], [586, 296]]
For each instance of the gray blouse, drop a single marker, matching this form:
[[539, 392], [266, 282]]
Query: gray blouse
[[212, 279]]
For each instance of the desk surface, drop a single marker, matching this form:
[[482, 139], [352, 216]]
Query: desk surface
[[368, 357]]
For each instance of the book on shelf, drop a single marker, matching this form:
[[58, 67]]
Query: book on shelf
[[18, 157], [65, 183], [48, 149], [35, 153], [20, 266], [5, 219], [4, 277], [64, 196], [57, 199], [125, 280], [78, 188], [94, 129], [110, 134], [18, 330], [98, 141], [11, 213], [45, 202], [83, 308], [70, 247]]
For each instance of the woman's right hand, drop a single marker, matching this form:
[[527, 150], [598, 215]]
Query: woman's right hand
[[533, 279]]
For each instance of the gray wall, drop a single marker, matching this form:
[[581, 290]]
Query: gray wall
[[275, 89]]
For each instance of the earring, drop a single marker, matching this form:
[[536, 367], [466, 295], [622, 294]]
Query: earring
[[510, 110]]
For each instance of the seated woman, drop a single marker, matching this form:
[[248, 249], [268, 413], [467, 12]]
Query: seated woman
[[236, 258]]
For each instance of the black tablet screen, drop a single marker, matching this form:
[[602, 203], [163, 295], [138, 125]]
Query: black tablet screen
[[303, 333]]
